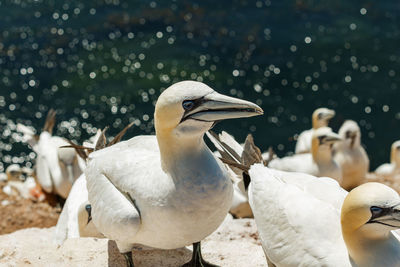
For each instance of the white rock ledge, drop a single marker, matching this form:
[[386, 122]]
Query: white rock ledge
[[232, 244]]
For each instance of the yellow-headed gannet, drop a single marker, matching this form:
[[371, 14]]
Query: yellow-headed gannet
[[307, 221], [166, 191], [369, 213], [319, 162], [351, 156], [320, 118], [56, 168], [393, 167]]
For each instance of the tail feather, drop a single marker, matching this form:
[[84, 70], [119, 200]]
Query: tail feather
[[119, 136], [102, 141], [50, 121], [84, 151]]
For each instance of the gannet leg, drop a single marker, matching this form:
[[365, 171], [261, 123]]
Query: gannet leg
[[128, 258], [197, 259]]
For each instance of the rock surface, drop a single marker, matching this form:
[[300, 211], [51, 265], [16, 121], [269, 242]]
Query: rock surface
[[234, 243]]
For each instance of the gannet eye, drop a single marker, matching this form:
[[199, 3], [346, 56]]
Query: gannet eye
[[375, 210], [188, 104], [88, 208]]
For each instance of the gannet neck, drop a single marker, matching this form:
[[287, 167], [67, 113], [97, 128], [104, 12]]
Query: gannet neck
[[383, 250], [174, 148], [321, 154]]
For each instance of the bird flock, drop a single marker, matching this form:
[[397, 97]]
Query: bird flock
[[320, 206]]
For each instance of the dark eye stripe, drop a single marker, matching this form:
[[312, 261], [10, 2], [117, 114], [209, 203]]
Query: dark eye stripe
[[379, 212], [196, 103]]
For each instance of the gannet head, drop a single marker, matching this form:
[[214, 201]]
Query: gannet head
[[14, 172], [350, 133], [395, 153], [321, 117], [191, 108], [369, 213], [84, 214], [322, 141]]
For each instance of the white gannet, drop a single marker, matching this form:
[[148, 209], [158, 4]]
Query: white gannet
[[307, 221], [393, 167], [320, 118], [75, 218], [166, 191], [319, 162], [56, 168], [351, 156], [17, 187], [240, 207]]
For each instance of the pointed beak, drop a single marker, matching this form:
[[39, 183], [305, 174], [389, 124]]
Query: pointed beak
[[328, 114], [217, 107], [333, 137]]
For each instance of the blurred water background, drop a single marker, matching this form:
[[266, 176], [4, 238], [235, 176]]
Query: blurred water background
[[102, 63]]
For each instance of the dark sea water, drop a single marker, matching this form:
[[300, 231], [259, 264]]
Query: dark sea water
[[102, 63]]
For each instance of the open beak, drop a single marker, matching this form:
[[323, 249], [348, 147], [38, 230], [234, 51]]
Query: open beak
[[389, 217], [217, 107]]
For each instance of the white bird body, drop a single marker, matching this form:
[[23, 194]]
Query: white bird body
[[320, 118], [68, 225], [318, 163], [167, 204], [303, 144], [166, 191], [392, 168], [351, 156], [240, 207], [298, 217], [56, 168], [308, 221]]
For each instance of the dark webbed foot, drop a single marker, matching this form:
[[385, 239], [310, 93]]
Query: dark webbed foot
[[128, 258], [197, 259]]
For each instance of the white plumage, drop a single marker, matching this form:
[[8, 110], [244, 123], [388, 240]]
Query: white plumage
[[392, 168], [298, 217], [166, 191], [56, 168], [351, 156], [308, 221]]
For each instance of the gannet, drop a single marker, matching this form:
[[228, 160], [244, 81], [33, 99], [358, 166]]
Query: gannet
[[17, 187], [75, 218], [320, 118], [351, 156], [369, 213], [393, 167], [240, 207], [56, 168], [301, 222], [319, 162], [166, 191]]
